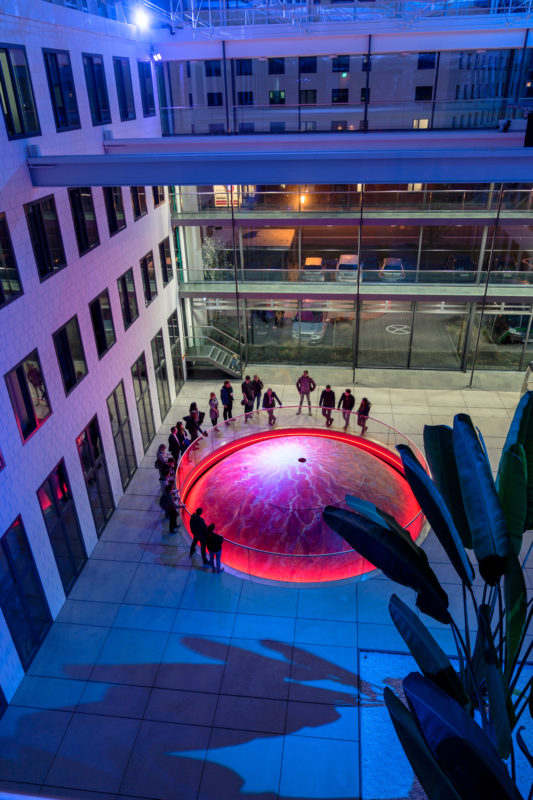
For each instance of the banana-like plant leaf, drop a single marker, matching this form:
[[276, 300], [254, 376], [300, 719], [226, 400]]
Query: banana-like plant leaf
[[427, 653], [521, 432], [461, 748], [512, 491], [515, 594], [501, 713], [438, 445], [482, 506], [365, 508], [425, 766], [434, 507], [393, 552]]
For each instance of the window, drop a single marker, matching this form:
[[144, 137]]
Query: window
[[308, 64], [16, 93], [128, 298], [214, 98], [148, 277], [94, 469], [138, 201], [10, 285], [339, 95], [121, 429], [158, 193], [246, 127], [45, 235], [102, 319], [114, 206], [276, 97], [427, 60], [126, 102], [212, 69], [276, 66], [84, 218], [277, 127], [93, 66], [28, 395], [422, 124], [22, 598], [142, 398], [70, 355], [161, 376], [61, 520], [424, 93], [165, 258], [339, 125], [365, 95], [243, 66], [366, 65], [307, 96], [216, 128], [308, 125], [340, 64], [175, 354], [62, 91], [147, 88], [245, 98]]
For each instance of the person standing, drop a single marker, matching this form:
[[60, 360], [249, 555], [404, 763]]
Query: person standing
[[346, 402], [247, 397], [213, 409], [198, 528], [269, 402], [327, 401], [181, 437], [362, 414], [168, 504], [193, 423], [214, 545], [305, 385], [174, 444], [257, 386], [226, 396]]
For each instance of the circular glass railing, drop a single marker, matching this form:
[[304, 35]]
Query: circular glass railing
[[264, 480]]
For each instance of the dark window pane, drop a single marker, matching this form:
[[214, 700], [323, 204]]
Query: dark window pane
[[84, 218], [340, 64], [16, 93], [158, 193], [102, 319], [243, 66], [116, 218], [93, 66], [144, 403], [276, 66], [128, 298], [94, 469], [70, 355], [424, 93], [212, 69], [276, 97], [122, 436], [148, 277], [427, 60], [161, 376], [214, 98], [124, 88], [45, 235], [245, 98], [62, 91], [307, 96], [308, 64], [339, 95], [165, 258], [138, 201], [10, 285], [29, 398], [147, 88]]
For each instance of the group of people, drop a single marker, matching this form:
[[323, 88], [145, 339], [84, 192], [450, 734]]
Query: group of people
[[205, 535]]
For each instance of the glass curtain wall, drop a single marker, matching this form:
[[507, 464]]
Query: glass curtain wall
[[94, 469], [121, 428], [144, 403], [161, 376]]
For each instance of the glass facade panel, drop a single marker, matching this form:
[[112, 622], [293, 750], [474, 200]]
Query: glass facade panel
[[62, 90], [103, 327], [70, 355], [138, 201], [10, 285], [128, 298], [148, 277], [94, 69], [147, 88], [94, 469], [143, 400], [45, 234], [124, 86], [165, 258], [122, 436], [16, 93], [114, 206], [28, 395], [439, 335], [84, 218], [175, 350], [161, 376]]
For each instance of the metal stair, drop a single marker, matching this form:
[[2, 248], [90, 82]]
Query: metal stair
[[205, 349]]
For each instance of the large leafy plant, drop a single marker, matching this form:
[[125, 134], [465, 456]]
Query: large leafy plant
[[461, 724]]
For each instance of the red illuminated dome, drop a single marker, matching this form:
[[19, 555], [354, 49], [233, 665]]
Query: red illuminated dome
[[266, 493]]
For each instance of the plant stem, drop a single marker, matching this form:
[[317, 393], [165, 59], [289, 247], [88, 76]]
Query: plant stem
[[500, 609], [523, 692], [471, 668], [521, 666], [467, 626]]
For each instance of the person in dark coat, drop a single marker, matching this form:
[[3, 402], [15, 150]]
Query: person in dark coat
[[269, 402], [247, 397], [181, 436], [226, 398], [214, 545], [346, 402], [168, 504], [193, 423], [362, 414], [327, 401], [305, 385], [198, 528], [174, 444], [257, 386]]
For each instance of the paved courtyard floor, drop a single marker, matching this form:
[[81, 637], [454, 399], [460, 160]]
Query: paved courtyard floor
[[161, 680]]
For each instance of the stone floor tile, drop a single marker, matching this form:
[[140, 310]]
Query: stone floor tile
[[104, 580], [188, 708], [118, 551], [314, 767], [94, 753], [324, 674], [69, 651], [156, 585], [130, 656], [321, 631], [54, 693], [255, 669], [260, 598], [208, 592], [252, 626], [88, 612], [193, 662], [114, 700], [203, 623], [334, 602], [131, 526], [148, 618], [29, 739], [251, 714], [323, 721]]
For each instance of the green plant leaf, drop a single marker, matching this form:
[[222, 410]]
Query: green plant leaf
[[438, 445], [512, 491], [482, 506], [462, 749], [390, 549], [521, 432], [425, 766], [501, 713], [427, 653], [434, 507], [515, 594]]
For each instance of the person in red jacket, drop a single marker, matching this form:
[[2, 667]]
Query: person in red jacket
[[346, 402]]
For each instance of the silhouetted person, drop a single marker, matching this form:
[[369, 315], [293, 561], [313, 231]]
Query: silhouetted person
[[327, 401], [199, 533], [346, 402]]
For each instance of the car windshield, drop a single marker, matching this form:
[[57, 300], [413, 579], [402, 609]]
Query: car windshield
[[348, 266], [313, 266], [310, 316]]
